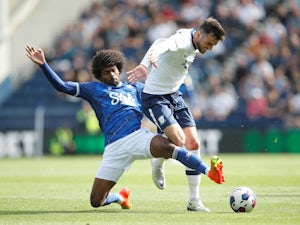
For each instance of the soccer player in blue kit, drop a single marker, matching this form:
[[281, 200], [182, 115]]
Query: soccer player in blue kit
[[165, 66], [117, 106]]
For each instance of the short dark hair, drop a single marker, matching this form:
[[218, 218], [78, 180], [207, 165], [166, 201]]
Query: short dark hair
[[213, 27], [107, 58]]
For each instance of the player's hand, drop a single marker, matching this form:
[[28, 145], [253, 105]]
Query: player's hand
[[137, 73], [153, 57], [36, 56]]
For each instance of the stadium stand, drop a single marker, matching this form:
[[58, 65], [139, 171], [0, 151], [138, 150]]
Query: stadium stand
[[18, 111], [131, 26]]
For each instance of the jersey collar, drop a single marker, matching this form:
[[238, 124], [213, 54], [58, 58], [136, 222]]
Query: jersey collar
[[193, 31]]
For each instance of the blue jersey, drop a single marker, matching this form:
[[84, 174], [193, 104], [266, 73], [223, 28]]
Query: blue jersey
[[118, 109]]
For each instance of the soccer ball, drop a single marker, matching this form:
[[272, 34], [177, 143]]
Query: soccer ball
[[242, 199]]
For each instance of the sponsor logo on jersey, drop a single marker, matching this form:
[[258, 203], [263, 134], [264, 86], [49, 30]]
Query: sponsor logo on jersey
[[120, 98]]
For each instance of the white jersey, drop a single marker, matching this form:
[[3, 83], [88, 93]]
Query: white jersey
[[176, 54]]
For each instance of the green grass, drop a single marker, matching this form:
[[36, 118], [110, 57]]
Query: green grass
[[55, 191]]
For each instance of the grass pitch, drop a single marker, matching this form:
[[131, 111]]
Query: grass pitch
[[55, 191]]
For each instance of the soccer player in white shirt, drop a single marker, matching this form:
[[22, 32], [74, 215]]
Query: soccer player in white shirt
[[118, 109], [165, 67]]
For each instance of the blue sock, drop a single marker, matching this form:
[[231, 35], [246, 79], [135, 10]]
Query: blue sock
[[111, 198], [190, 160]]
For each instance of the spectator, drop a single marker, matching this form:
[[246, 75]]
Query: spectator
[[220, 102], [269, 31]]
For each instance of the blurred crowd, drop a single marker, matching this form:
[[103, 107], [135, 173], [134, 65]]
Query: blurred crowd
[[254, 72]]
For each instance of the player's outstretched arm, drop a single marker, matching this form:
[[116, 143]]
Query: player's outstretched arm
[[137, 73], [37, 56]]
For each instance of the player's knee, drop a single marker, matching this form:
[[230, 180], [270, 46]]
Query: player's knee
[[194, 145], [95, 202]]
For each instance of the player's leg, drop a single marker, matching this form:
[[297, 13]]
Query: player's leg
[[116, 159], [174, 132], [101, 195], [100, 191], [187, 122], [187, 125], [143, 144], [193, 177], [162, 147], [160, 111]]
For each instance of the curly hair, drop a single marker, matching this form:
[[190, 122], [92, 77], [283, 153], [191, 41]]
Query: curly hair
[[213, 27], [107, 58]]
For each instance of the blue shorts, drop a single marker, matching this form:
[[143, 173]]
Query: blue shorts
[[164, 110]]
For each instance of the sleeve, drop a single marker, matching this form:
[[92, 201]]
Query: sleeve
[[160, 46], [180, 40], [145, 62], [71, 88]]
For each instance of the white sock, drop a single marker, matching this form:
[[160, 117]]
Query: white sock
[[194, 181]]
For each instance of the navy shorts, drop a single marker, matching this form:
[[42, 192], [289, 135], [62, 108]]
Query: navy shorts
[[164, 110]]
